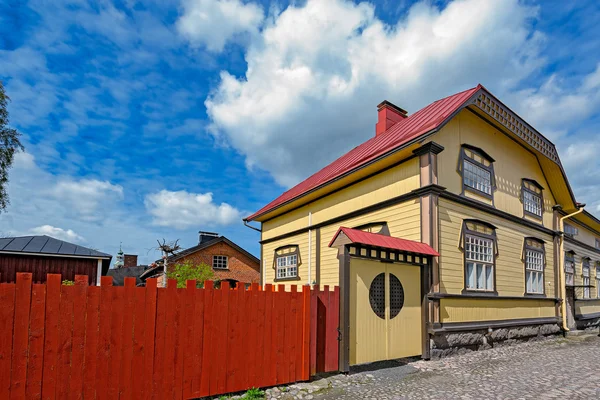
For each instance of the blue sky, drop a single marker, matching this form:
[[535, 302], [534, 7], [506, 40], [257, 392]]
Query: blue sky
[[156, 119]]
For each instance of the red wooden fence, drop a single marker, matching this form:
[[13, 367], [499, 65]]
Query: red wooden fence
[[132, 342]]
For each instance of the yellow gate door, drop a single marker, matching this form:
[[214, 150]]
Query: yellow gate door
[[385, 311]]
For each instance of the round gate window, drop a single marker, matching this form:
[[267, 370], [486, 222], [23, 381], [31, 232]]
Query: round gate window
[[377, 295], [396, 296]]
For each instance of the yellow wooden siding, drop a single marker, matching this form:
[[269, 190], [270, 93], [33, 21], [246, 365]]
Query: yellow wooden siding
[[403, 221], [584, 235], [587, 307], [510, 270], [470, 310], [513, 162], [386, 185]]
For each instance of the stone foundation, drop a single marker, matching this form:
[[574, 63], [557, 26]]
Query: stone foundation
[[589, 324], [444, 344]]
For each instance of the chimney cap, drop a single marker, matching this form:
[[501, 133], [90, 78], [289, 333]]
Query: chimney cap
[[386, 103], [204, 233]]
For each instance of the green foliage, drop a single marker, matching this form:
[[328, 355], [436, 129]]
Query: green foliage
[[183, 272], [9, 145], [254, 393], [67, 282]]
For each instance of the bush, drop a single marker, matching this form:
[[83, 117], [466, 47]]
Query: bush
[[183, 272], [67, 282]]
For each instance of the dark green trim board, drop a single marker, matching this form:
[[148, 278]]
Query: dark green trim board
[[478, 325], [587, 316]]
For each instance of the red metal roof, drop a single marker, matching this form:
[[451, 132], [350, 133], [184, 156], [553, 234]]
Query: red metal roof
[[387, 242], [415, 125]]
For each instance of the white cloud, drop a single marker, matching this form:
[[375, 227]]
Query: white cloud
[[57, 233], [86, 196], [182, 210], [212, 23], [316, 73]]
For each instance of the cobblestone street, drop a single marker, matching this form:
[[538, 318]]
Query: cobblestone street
[[554, 368]]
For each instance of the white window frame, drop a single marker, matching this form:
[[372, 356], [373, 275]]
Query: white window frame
[[479, 263], [477, 177], [585, 274], [534, 268], [220, 262], [286, 266], [571, 230], [569, 269]]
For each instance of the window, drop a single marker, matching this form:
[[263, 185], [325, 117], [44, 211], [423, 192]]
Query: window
[[286, 262], [571, 230], [534, 256], [569, 268], [585, 273], [477, 170], [220, 262], [287, 266], [479, 240], [598, 244], [532, 198]]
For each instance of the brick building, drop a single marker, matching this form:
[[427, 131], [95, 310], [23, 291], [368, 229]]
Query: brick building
[[229, 261]]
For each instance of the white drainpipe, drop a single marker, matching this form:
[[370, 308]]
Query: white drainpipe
[[309, 247]]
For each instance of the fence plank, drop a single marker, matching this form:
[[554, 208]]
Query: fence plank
[[7, 314], [335, 321], [244, 319], [104, 347], [252, 334], [206, 345], [125, 377], [268, 367], [20, 335], [189, 320], [307, 312], [280, 302], [322, 300], [36, 341], [314, 298], [233, 331], [170, 343], [65, 341], [179, 343], [159, 345], [151, 298], [197, 340], [299, 337], [139, 326], [53, 284], [91, 341], [291, 333], [77, 355], [261, 345]]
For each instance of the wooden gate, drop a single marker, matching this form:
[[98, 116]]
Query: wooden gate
[[385, 311]]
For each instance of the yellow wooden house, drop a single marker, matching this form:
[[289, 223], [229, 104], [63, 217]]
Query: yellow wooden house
[[456, 219]]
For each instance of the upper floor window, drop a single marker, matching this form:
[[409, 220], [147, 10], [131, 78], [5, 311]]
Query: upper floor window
[[598, 244], [569, 268], [477, 169], [220, 262], [585, 273], [571, 230], [534, 255], [287, 260], [532, 198], [479, 244]]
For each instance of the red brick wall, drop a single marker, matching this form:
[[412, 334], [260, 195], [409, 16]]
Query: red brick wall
[[241, 267]]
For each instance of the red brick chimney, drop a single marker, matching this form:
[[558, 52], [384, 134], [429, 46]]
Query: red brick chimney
[[388, 115], [130, 260]]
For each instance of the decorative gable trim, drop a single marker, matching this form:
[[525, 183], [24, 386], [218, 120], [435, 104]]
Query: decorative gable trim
[[511, 121]]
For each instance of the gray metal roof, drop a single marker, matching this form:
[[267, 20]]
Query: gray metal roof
[[46, 245]]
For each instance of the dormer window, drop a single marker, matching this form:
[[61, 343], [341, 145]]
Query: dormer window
[[532, 198], [571, 230], [477, 169]]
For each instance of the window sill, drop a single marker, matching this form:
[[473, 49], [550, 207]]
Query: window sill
[[479, 192], [294, 278], [535, 295], [538, 218], [220, 269], [478, 293]]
